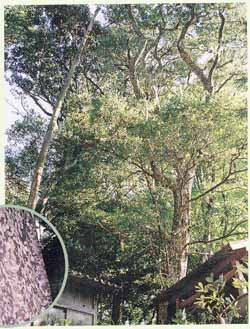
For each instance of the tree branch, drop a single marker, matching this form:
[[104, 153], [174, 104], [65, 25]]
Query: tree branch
[[134, 23], [35, 99], [187, 57], [141, 54], [217, 185], [222, 18], [231, 233], [224, 64], [230, 173], [144, 171], [93, 83], [224, 82]]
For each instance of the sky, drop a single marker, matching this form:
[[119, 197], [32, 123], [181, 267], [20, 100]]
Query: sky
[[11, 105]]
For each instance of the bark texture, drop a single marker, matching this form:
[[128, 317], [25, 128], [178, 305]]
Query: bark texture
[[24, 286], [181, 220]]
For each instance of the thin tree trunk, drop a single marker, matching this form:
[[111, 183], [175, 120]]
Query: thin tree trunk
[[38, 172], [206, 208]]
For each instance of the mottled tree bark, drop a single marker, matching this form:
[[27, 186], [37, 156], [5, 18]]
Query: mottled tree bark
[[24, 286], [181, 221], [177, 259]]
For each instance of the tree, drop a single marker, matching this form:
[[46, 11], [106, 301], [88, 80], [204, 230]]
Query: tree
[[36, 181], [144, 155]]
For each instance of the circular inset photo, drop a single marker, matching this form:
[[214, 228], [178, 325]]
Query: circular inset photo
[[29, 282]]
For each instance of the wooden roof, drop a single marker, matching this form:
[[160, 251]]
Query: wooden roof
[[98, 285], [221, 262]]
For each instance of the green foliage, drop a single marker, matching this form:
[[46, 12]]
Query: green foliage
[[181, 317], [215, 305], [98, 188], [241, 282]]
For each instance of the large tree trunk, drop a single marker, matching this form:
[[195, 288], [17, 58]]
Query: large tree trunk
[[181, 221], [38, 172], [177, 254]]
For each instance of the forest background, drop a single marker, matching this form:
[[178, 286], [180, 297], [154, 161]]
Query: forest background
[[145, 175]]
